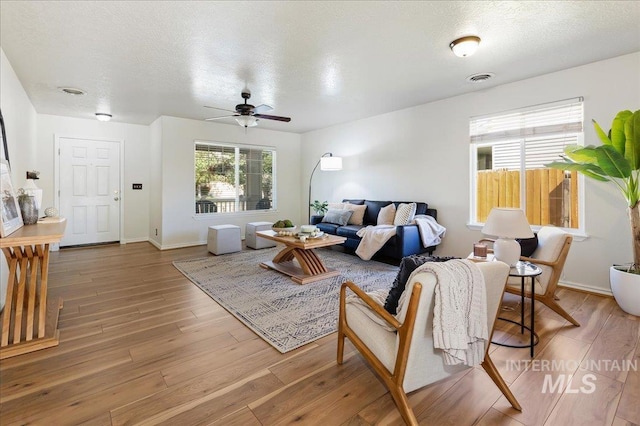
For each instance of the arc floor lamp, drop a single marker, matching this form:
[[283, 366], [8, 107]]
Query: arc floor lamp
[[327, 162]]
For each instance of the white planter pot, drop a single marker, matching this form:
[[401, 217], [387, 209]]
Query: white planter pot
[[626, 290]]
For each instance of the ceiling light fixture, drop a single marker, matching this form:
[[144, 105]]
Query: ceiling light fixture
[[465, 46], [103, 116], [72, 91], [247, 121]]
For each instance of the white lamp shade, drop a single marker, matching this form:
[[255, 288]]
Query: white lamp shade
[[330, 163], [507, 223]]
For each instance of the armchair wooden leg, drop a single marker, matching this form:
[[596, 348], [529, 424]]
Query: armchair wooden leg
[[493, 372], [402, 403], [553, 305], [340, 344]]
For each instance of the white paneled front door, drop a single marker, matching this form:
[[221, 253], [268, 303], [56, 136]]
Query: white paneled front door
[[89, 173]]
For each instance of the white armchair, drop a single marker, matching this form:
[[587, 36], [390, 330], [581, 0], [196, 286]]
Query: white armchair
[[404, 357]]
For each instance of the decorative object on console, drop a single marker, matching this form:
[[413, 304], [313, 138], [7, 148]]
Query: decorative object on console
[[30, 188], [51, 212], [28, 207], [507, 224]]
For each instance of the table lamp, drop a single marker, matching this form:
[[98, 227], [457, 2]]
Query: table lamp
[[507, 224]]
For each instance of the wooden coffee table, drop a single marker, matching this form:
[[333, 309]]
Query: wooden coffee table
[[310, 267]]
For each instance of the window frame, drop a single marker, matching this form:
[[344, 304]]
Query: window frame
[[579, 233], [237, 148]]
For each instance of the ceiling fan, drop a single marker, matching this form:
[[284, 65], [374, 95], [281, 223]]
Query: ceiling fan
[[248, 115]]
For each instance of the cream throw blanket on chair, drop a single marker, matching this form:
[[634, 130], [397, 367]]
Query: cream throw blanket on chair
[[460, 311]]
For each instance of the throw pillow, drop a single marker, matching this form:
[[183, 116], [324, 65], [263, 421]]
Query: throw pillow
[[528, 245], [407, 266], [358, 213], [404, 214], [338, 217], [387, 215], [335, 206]]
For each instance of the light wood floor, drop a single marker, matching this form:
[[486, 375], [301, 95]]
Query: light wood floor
[[140, 344]]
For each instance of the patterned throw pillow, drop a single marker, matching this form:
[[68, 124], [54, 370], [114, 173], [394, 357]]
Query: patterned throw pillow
[[338, 217], [404, 214], [387, 215], [357, 218]]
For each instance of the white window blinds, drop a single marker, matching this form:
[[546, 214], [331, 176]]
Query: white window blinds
[[557, 118]]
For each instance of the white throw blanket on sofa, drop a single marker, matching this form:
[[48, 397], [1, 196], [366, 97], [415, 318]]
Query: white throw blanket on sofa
[[431, 232], [460, 310], [373, 238]]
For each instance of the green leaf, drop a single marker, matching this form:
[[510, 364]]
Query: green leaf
[[590, 170], [601, 134], [632, 136], [612, 163], [617, 135], [581, 154]]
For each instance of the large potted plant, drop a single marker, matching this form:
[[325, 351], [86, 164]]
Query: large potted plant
[[617, 161]]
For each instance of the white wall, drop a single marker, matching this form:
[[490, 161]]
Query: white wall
[[155, 183], [422, 154], [19, 120], [135, 139], [179, 226]]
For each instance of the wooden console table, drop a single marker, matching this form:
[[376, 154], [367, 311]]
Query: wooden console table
[[29, 321]]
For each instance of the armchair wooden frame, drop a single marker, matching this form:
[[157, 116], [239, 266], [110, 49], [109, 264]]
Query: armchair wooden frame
[[393, 380], [549, 296]]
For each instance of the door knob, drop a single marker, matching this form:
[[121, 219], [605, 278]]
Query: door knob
[[116, 198]]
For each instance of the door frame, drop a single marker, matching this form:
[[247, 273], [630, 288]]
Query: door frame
[[56, 173]]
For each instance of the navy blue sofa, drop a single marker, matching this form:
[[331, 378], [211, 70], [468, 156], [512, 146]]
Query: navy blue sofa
[[406, 241]]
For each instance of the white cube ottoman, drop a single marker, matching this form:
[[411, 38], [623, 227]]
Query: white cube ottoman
[[224, 239], [254, 241]]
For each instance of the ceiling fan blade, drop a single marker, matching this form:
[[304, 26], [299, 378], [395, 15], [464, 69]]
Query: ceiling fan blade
[[222, 116], [221, 109], [262, 108], [273, 117]]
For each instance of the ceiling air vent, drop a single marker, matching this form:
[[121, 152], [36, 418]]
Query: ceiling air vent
[[480, 78], [72, 91]]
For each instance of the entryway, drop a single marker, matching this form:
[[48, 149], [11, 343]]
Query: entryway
[[89, 191]]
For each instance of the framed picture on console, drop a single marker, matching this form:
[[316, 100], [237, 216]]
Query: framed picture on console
[[4, 150], [11, 218]]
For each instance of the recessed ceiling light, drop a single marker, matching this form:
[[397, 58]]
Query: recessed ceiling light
[[480, 77], [465, 46], [103, 116], [72, 91]]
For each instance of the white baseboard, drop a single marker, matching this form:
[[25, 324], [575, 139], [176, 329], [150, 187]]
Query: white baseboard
[[179, 245], [587, 288], [134, 240]]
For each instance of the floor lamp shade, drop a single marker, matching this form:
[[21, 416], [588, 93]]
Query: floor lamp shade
[[507, 224]]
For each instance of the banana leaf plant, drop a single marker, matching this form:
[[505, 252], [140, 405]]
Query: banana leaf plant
[[616, 161]]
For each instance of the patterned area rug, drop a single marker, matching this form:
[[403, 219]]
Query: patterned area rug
[[285, 314]]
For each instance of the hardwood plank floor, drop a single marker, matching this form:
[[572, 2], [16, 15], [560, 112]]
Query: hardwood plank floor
[[140, 344]]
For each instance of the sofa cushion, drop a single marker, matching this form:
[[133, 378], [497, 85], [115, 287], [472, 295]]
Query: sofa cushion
[[528, 245], [387, 215], [349, 231], [329, 228], [421, 208], [358, 213], [373, 209], [339, 217], [404, 214]]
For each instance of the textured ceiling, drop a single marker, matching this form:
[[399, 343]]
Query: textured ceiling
[[321, 63]]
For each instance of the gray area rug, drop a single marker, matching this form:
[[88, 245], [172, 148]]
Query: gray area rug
[[285, 314]]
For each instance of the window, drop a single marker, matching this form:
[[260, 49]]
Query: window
[[233, 178], [509, 151]]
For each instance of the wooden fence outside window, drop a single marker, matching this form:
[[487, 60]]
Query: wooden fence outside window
[[551, 195]]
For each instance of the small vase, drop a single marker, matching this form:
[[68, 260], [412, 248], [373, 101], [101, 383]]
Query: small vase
[[28, 209]]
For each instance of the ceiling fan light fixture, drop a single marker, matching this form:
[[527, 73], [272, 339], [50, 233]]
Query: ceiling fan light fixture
[[103, 116], [72, 91], [465, 46], [247, 121]]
